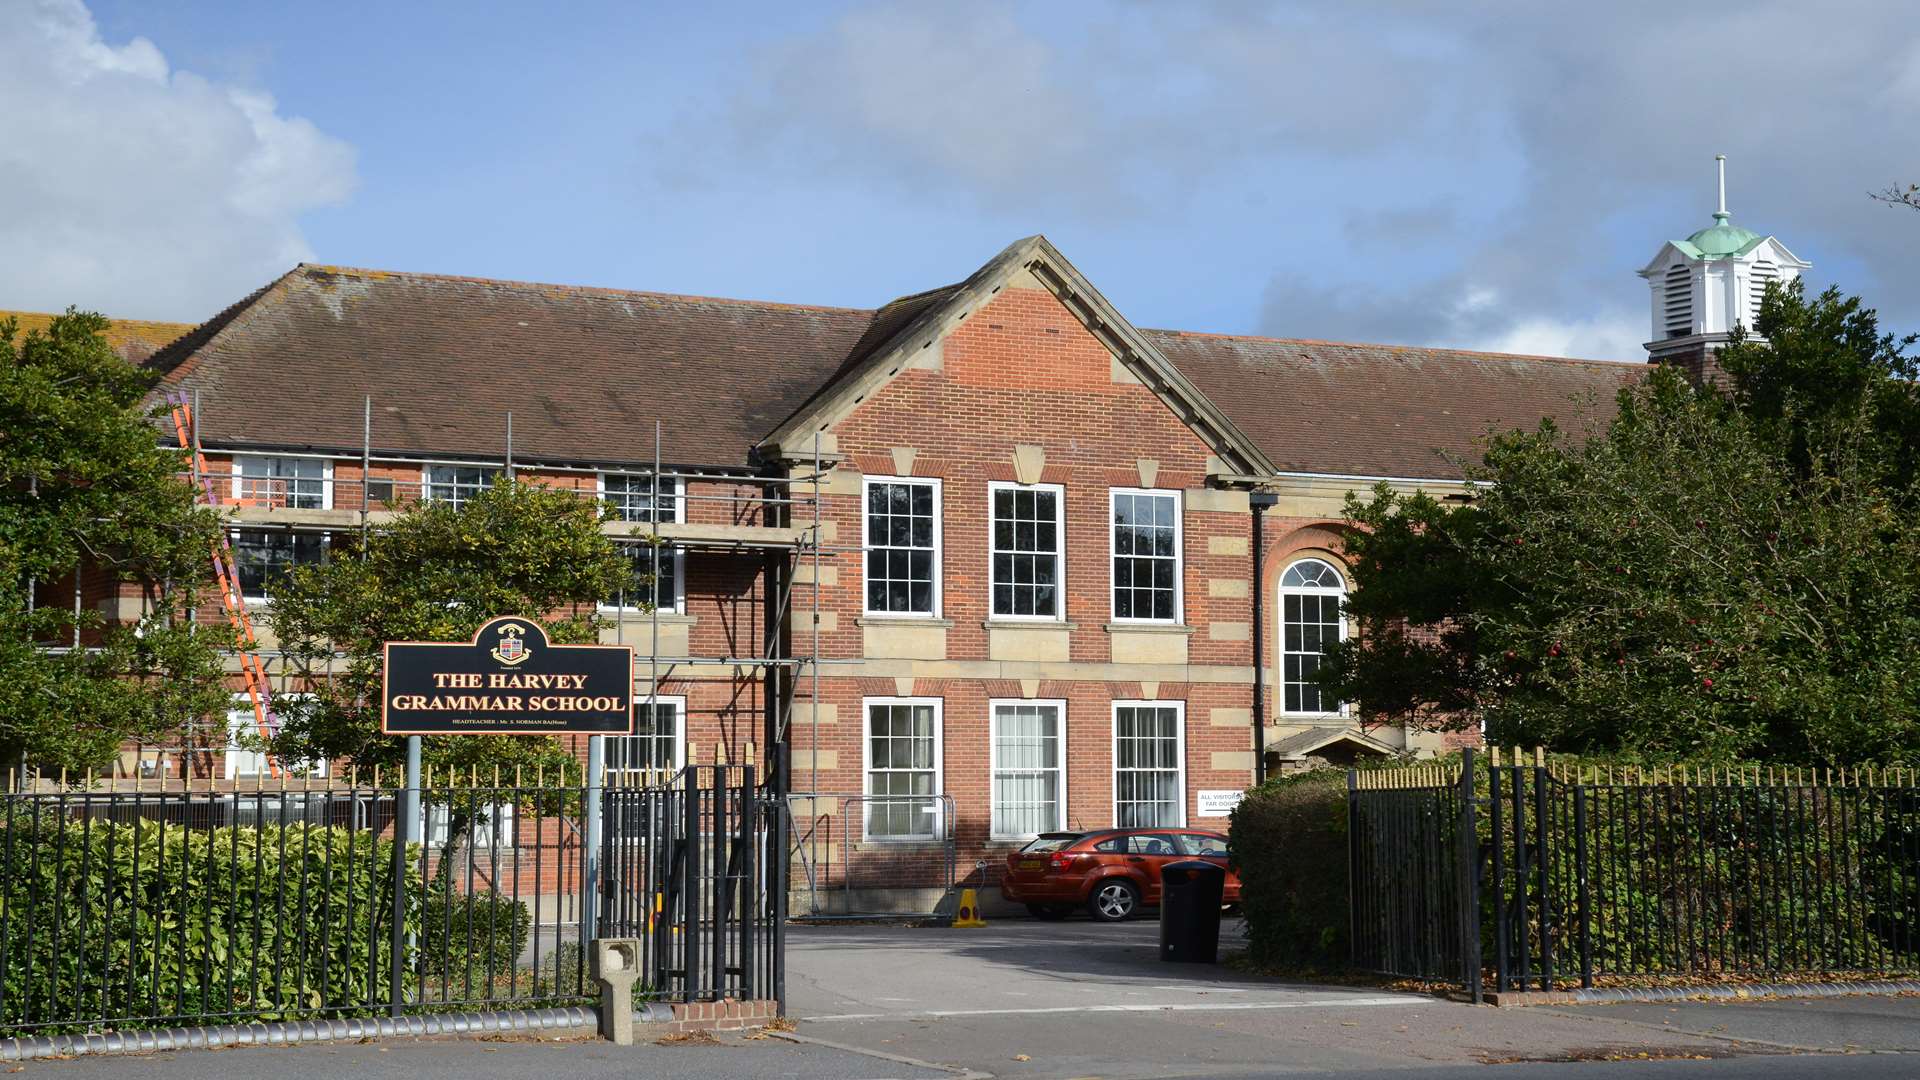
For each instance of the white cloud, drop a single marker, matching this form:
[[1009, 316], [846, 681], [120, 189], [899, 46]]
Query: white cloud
[[1611, 336], [1489, 172], [141, 191], [1119, 120]]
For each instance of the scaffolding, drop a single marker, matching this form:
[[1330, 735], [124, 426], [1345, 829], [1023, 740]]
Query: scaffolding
[[786, 528]]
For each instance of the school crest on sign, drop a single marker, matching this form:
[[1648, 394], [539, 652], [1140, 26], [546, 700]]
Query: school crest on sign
[[511, 649]]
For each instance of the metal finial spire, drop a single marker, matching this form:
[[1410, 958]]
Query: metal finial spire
[[1721, 214]]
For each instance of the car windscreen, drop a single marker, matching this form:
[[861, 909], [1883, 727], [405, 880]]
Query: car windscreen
[[1051, 842]]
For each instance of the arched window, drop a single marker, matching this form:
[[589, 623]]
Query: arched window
[[1312, 599]]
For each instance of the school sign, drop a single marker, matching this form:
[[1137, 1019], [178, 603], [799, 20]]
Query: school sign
[[509, 680]]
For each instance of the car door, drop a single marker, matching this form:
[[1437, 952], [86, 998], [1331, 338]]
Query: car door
[[1147, 853], [1212, 847]]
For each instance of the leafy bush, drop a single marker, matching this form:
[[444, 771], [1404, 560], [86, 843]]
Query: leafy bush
[[562, 971], [574, 976], [1289, 840], [103, 920], [472, 937]]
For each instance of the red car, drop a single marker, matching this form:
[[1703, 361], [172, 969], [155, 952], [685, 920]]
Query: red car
[[1113, 873]]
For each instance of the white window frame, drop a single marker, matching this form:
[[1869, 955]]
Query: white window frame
[[674, 605], [1281, 592], [937, 823], [240, 476], [240, 717], [1059, 493], [994, 706], [675, 498], [679, 705], [1179, 755], [939, 544], [1179, 555], [233, 539], [427, 483], [439, 820]]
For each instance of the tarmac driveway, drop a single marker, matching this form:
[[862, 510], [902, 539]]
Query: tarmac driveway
[[1025, 967], [1073, 999]]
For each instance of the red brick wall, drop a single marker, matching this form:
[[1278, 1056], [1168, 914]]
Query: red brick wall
[[1022, 370]]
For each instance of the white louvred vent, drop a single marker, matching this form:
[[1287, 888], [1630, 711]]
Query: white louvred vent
[[1762, 274], [1676, 295]]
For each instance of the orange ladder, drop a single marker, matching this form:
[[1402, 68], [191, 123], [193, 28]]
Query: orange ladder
[[235, 604]]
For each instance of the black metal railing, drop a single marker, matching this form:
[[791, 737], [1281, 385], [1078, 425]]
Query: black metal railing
[[138, 904], [1561, 876], [1712, 873]]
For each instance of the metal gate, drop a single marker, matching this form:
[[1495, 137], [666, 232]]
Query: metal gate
[[694, 868], [1413, 873]]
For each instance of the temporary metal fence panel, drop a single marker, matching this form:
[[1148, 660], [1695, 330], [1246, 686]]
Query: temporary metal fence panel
[[1555, 877], [873, 856], [139, 906], [693, 868]]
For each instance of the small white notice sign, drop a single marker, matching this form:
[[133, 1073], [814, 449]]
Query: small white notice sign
[[1218, 804]]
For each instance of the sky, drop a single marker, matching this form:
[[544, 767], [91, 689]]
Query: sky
[[1471, 174]]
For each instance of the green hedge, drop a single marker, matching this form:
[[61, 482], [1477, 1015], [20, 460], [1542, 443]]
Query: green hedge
[[138, 923], [466, 938], [1289, 840], [148, 920]]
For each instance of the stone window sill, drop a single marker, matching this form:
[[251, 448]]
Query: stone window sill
[[1029, 624], [1147, 628], [897, 620]]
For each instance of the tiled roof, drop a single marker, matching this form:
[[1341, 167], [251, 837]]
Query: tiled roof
[[1385, 410], [134, 339], [586, 373]]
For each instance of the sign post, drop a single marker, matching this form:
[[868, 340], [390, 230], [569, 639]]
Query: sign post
[[406, 830], [416, 831], [590, 872]]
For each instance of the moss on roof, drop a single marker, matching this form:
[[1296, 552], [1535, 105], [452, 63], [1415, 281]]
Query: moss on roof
[[135, 339]]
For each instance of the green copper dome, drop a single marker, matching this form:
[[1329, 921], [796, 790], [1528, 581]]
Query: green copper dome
[[1720, 240]]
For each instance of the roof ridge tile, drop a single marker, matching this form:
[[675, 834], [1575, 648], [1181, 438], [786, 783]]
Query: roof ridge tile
[[1329, 343], [592, 291]]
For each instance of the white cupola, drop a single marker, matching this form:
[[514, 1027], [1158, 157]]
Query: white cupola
[[1706, 284]]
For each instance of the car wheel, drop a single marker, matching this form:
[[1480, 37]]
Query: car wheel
[[1114, 900], [1049, 912]]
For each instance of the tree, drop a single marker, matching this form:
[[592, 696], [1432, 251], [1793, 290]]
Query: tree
[[1907, 195], [86, 485], [1821, 374], [436, 574], [1734, 574]]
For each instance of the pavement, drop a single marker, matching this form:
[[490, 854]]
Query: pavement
[[569, 1057], [1850, 1025], [1078, 999]]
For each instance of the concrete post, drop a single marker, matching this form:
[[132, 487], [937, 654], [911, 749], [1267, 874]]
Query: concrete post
[[616, 967]]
